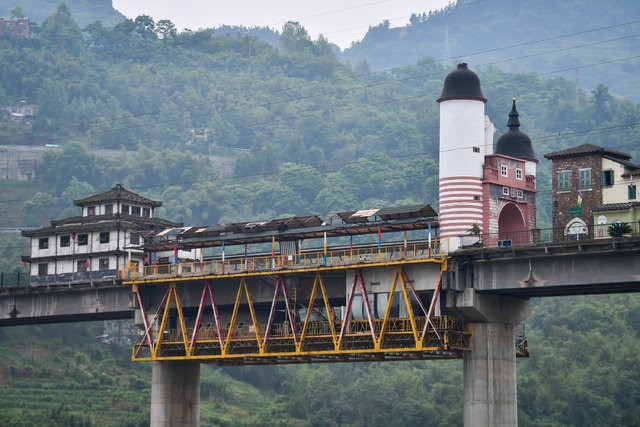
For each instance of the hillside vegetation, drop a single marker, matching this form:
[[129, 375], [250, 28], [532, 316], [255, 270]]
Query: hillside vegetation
[[309, 134], [578, 40], [84, 12]]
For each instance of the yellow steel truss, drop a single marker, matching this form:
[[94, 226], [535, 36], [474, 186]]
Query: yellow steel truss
[[294, 341]]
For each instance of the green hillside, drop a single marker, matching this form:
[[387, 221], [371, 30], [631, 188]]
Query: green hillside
[[84, 12], [588, 41], [581, 372]]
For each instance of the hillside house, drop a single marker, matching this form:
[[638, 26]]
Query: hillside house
[[15, 27], [107, 236]]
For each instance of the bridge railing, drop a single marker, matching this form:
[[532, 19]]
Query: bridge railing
[[574, 232], [8, 280], [277, 261]]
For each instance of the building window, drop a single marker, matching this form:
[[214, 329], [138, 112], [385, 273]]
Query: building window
[[108, 209], [103, 263], [505, 191], [43, 243], [606, 178], [518, 173], [564, 181], [83, 239], [65, 241], [476, 149], [504, 171], [91, 210], [135, 210], [584, 179], [134, 238], [125, 209], [632, 191], [104, 237], [43, 269], [519, 194], [83, 265], [146, 212]]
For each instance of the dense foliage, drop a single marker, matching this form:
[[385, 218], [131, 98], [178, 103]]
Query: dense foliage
[[231, 128], [305, 133], [544, 36], [581, 372]]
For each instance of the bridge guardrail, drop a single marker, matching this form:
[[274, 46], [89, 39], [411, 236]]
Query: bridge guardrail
[[8, 280], [576, 232], [277, 261]]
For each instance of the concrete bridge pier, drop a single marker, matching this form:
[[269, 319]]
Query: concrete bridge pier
[[489, 369], [175, 394]]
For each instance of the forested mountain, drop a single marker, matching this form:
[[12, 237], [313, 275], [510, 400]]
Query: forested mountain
[[313, 135], [591, 41], [308, 134], [84, 12]]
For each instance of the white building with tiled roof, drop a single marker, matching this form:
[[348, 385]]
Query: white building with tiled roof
[[107, 236]]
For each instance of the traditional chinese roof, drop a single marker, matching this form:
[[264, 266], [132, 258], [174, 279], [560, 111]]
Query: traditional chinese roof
[[117, 194], [99, 223]]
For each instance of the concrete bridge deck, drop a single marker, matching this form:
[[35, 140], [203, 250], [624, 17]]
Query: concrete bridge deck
[[549, 269]]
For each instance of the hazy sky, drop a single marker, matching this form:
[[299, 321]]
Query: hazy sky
[[340, 21]]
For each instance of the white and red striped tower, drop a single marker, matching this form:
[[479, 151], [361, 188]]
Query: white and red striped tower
[[463, 145]]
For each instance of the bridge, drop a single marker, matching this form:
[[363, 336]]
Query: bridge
[[329, 305], [411, 295]]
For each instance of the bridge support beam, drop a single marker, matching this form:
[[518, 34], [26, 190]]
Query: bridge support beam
[[490, 385], [175, 394]]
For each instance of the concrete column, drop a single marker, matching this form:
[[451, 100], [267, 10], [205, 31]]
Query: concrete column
[[175, 394], [490, 384], [489, 372]]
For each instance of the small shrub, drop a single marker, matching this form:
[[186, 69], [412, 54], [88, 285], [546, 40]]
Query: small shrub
[[619, 229]]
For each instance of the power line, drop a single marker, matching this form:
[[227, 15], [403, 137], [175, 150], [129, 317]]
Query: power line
[[72, 126], [331, 166]]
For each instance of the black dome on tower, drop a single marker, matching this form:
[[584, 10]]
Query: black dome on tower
[[462, 84], [514, 142]]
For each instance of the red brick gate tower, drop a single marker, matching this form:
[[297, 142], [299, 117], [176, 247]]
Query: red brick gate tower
[[509, 188]]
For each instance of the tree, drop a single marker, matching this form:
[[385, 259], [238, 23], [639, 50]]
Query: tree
[[295, 39], [17, 13], [602, 100], [95, 35], [304, 180], [62, 31], [165, 30], [52, 100], [145, 27]]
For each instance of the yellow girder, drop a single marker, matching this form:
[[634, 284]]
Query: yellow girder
[[394, 338]]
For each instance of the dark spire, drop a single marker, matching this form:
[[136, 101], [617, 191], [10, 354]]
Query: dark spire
[[514, 123], [514, 142]]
